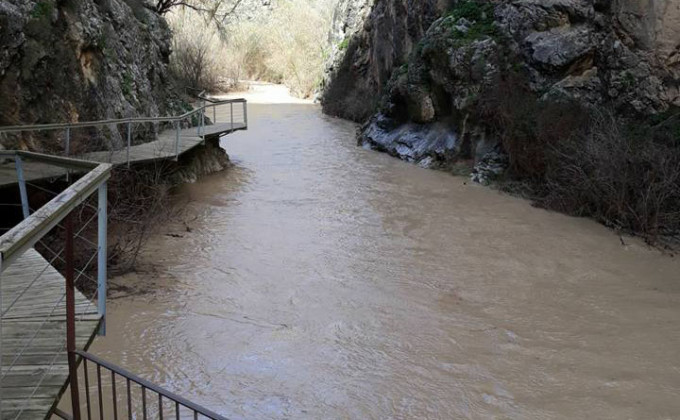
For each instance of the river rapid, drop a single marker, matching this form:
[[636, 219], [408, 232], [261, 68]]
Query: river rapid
[[315, 279]]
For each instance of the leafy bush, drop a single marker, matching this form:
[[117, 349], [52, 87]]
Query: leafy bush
[[479, 13], [127, 83], [589, 162], [42, 9]]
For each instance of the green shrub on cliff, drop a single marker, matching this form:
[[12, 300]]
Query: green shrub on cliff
[[479, 14], [42, 9]]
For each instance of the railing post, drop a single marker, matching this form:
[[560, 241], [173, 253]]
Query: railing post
[[102, 255], [245, 113], [203, 119], [71, 319], [198, 123], [214, 114], [67, 145], [231, 110], [129, 142], [177, 140], [22, 186]]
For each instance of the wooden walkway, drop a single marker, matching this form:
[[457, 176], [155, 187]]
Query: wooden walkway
[[34, 368], [34, 364], [163, 148]]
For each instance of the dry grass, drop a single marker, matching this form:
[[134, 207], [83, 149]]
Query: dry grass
[[138, 205], [198, 51], [610, 172], [285, 45]]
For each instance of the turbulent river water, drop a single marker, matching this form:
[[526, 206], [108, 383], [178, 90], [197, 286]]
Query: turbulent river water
[[316, 279]]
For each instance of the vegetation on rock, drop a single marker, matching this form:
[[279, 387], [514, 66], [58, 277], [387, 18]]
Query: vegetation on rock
[[548, 103]]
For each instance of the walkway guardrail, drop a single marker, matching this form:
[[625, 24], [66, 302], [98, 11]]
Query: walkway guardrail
[[37, 340], [111, 392], [46, 324], [119, 137], [53, 302]]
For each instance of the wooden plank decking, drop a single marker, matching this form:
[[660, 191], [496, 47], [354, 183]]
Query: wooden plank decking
[[34, 364], [164, 147]]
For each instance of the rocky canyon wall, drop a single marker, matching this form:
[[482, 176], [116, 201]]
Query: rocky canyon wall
[[80, 60], [371, 38], [572, 103], [415, 70]]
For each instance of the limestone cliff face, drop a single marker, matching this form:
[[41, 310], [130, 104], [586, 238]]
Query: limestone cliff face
[[653, 26], [79, 60], [377, 37], [430, 62]]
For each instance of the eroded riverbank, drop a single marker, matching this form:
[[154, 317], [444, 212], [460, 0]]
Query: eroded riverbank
[[315, 279]]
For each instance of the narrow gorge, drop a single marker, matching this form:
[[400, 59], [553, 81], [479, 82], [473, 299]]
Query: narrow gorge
[[539, 97], [429, 209]]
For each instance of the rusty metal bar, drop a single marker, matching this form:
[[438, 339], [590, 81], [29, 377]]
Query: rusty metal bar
[[87, 391], [99, 388], [114, 397], [129, 398], [144, 402], [71, 319]]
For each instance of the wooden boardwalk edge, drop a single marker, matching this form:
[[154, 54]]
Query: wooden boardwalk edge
[[34, 363]]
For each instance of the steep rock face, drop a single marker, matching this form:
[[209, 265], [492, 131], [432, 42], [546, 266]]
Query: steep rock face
[[368, 57], [623, 53], [348, 19], [80, 60]]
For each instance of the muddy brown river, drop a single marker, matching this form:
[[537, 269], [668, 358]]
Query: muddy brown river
[[320, 280]]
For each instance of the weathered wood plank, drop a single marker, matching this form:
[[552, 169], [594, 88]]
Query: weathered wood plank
[[34, 364]]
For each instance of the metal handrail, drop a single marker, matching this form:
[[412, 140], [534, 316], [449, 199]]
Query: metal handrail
[[99, 123], [146, 385], [27, 233]]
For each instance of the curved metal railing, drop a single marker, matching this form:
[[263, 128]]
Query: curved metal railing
[[100, 123], [148, 400], [171, 145]]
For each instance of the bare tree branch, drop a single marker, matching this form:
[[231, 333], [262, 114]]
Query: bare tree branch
[[217, 11]]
